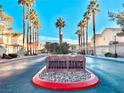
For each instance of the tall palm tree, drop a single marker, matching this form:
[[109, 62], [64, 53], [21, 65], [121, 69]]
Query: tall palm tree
[[87, 15], [29, 4], [94, 7], [79, 33], [82, 24], [1, 12], [37, 25], [23, 3], [32, 16], [0, 8], [60, 23]]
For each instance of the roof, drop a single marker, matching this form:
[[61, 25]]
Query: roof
[[14, 34], [112, 29], [16, 45], [97, 35]]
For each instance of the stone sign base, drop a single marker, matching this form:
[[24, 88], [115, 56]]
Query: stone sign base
[[88, 83]]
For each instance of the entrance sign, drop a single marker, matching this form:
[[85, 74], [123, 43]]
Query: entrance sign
[[60, 63], [65, 72]]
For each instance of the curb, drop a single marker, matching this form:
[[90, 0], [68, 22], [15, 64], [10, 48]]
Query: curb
[[17, 59], [107, 58], [92, 82]]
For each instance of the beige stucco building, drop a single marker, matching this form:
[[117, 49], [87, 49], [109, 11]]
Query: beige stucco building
[[9, 40], [105, 39], [108, 36]]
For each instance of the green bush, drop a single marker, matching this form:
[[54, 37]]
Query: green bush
[[56, 48], [108, 54], [13, 55]]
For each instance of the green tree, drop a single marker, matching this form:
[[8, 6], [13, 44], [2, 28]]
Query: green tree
[[56, 48], [118, 17], [60, 23], [82, 25], [94, 8], [87, 15], [23, 3], [79, 38]]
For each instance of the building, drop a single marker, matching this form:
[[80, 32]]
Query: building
[[106, 38], [9, 40], [74, 47]]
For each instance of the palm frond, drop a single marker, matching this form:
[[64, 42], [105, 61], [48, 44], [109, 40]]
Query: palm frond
[[60, 23]]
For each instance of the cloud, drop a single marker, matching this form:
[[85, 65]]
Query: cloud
[[44, 39]]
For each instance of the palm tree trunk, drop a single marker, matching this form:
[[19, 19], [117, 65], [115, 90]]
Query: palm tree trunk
[[30, 39], [79, 41], [35, 40], [83, 39], [28, 24], [87, 38], [94, 33], [60, 36], [23, 27]]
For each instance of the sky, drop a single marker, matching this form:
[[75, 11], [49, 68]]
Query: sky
[[70, 10]]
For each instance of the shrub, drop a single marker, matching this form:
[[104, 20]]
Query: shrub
[[108, 54], [56, 48], [6, 56], [13, 55]]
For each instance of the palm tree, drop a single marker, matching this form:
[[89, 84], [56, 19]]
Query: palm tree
[[23, 3], [79, 33], [87, 18], [29, 4], [1, 11], [32, 16], [82, 24], [0, 8], [37, 25], [60, 23], [94, 7]]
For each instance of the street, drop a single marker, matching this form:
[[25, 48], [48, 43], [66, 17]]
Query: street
[[16, 77]]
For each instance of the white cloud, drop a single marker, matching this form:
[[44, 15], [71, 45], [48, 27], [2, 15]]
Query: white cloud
[[44, 39]]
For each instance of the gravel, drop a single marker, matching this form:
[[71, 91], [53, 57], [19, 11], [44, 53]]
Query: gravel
[[66, 76]]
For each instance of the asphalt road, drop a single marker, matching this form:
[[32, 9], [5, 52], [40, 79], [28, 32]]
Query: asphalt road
[[16, 77]]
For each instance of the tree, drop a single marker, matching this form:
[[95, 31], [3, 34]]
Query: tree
[[79, 38], [56, 48], [5, 19], [82, 25], [94, 8], [60, 23], [32, 17], [87, 15], [0, 8], [37, 25], [26, 4], [119, 19], [23, 3]]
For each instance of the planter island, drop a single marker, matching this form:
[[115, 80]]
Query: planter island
[[65, 72]]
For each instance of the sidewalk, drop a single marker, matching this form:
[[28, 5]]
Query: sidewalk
[[2, 61], [107, 58]]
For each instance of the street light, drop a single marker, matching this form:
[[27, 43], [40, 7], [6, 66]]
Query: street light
[[115, 43]]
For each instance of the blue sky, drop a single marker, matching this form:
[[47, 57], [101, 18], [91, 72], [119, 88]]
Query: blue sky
[[70, 10]]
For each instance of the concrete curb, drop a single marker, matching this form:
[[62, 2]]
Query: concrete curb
[[92, 82], [107, 58], [17, 59]]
